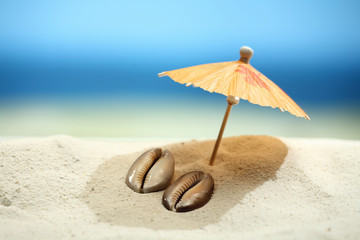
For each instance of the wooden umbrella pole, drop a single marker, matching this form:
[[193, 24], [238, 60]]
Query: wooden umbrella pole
[[231, 101]]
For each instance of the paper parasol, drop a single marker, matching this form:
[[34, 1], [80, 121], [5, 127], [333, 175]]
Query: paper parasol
[[236, 79]]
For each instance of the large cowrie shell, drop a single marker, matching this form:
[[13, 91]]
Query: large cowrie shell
[[151, 172]]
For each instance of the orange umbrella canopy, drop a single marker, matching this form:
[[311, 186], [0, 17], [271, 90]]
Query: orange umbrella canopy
[[238, 79]]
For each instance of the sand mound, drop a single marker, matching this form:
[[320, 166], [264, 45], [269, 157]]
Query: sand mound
[[243, 164], [61, 187]]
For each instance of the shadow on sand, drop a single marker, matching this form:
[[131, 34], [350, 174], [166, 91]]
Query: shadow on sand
[[242, 164]]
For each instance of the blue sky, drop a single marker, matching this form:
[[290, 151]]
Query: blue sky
[[309, 48]]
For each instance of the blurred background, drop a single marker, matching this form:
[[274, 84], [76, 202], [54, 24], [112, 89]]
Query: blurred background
[[89, 68]]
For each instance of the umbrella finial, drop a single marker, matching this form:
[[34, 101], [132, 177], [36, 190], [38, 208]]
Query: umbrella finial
[[246, 53]]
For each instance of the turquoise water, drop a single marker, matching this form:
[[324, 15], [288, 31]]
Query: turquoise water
[[169, 117]]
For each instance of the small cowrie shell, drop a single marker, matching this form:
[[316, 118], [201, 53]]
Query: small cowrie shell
[[191, 191], [151, 172]]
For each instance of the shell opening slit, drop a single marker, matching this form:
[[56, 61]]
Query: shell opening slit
[[150, 162], [189, 184]]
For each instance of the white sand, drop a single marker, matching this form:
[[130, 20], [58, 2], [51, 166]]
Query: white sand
[[62, 187]]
